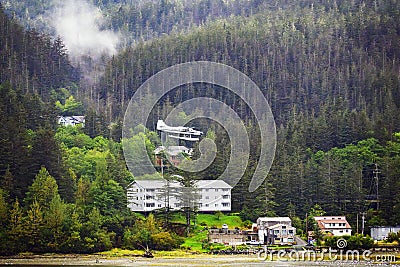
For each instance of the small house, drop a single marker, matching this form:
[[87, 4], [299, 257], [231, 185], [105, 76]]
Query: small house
[[334, 225]]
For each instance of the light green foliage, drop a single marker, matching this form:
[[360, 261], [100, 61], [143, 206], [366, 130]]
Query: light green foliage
[[55, 219], [43, 189], [133, 152], [147, 233], [70, 107], [34, 226], [17, 228]]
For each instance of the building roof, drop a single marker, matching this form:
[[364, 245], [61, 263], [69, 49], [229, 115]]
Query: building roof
[[323, 218], [213, 184], [71, 119], [159, 183], [322, 226], [323, 221], [280, 225], [274, 219]]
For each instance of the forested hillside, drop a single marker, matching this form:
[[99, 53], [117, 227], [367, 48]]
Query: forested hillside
[[53, 180], [330, 72], [144, 19], [329, 69]]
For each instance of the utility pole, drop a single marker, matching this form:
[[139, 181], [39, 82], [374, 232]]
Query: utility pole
[[363, 223], [376, 178], [357, 222], [307, 227]]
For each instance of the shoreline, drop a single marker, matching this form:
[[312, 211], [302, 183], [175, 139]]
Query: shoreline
[[182, 260]]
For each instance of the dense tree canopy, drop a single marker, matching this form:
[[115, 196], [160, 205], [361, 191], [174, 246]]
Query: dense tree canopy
[[329, 69]]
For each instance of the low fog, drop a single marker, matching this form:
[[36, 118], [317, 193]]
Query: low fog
[[80, 25]]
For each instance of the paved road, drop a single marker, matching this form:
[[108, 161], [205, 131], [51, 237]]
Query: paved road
[[300, 241]]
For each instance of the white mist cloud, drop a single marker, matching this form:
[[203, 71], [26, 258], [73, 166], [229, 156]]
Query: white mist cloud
[[79, 23]]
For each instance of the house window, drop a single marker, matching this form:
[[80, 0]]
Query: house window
[[216, 197], [225, 196], [225, 204], [216, 189], [200, 205], [225, 189], [177, 205], [207, 197], [216, 204], [206, 205], [290, 232], [150, 205], [276, 232], [159, 205]]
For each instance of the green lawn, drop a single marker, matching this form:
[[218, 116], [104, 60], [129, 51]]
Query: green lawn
[[211, 220], [194, 241]]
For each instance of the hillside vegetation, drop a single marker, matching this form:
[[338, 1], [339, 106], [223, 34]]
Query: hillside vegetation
[[329, 70]]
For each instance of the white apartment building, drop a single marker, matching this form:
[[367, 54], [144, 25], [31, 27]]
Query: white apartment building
[[148, 195]]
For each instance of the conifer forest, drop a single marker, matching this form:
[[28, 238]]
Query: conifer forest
[[330, 71]]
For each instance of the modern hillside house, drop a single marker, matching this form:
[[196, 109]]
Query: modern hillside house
[[71, 120], [334, 225], [149, 195]]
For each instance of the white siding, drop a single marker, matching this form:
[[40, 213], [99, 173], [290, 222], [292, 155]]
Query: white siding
[[147, 196]]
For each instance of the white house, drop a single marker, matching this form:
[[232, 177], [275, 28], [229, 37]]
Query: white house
[[335, 225], [71, 120], [148, 195], [275, 230]]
